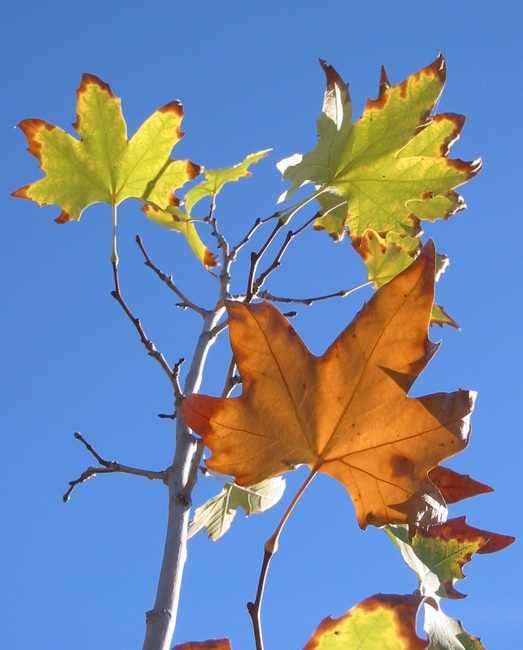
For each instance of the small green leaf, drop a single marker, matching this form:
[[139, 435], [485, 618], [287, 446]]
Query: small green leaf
[[217, 514], [215, 179], [381, 621], [103, 166], [440, 317], [175, 219], [386, 257]]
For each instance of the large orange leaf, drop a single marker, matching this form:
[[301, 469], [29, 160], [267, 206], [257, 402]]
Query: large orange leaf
[[346, 413]]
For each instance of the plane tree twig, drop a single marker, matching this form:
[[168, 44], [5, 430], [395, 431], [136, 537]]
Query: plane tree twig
[[168, 280], [107, 467]]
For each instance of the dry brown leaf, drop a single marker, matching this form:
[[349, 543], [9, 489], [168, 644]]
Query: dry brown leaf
[[345, 413]]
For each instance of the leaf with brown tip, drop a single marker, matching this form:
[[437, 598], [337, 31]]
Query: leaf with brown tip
[[103, 165], [387, 622]]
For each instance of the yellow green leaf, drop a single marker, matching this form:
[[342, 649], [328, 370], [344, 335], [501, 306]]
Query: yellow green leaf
[[389, 169], [215, 179], [103, 166], [381, 621], [175, 219]]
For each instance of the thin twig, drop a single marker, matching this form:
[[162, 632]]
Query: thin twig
[[267, 295], [107, 467], [227, 260], [292, 234], [255, 259], [231, 381], [271, 547], [147, 343], [168, 280]]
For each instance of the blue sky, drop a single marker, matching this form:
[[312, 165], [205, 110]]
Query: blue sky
[[82, 575]]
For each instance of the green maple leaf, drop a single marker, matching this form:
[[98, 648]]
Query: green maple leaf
[[217, 515], [104, 166], [438, 553], [390, 169], [215, 179]]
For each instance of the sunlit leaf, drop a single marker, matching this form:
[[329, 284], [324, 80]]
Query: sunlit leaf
[[345, 413], [386, 172], [175, 219], [380, 622], [103, 166], [438, 553], [215, 179]]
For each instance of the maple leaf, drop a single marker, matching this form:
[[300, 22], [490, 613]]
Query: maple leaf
[[438, 553], [346, 413], [389, 169], [103, 166], [383, 621]]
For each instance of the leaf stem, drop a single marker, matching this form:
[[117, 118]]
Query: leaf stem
[[270, 548], [114, 253]]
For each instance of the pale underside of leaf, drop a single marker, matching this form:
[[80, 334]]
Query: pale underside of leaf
[[217, 514]]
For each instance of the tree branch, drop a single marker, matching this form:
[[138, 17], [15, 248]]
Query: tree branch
[[270, 549], [108, 467], [180, 479], [168, 280], [267, 295]]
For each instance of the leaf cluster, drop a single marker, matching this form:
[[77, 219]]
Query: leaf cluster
[[346, 413]]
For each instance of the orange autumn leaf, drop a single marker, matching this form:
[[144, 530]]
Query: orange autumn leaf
[[346, 413], [213, 644]]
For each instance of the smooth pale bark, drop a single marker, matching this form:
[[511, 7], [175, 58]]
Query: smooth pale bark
[[161, 620]]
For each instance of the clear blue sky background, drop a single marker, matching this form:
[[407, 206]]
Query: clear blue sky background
[[82, 575]]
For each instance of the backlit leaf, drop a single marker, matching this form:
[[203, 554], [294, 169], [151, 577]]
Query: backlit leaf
[[175, 219], [386, 172], [215, 179], [391, 166], [381, 621], [454, 487], [345, 413], [438, 553], [103, 166]]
